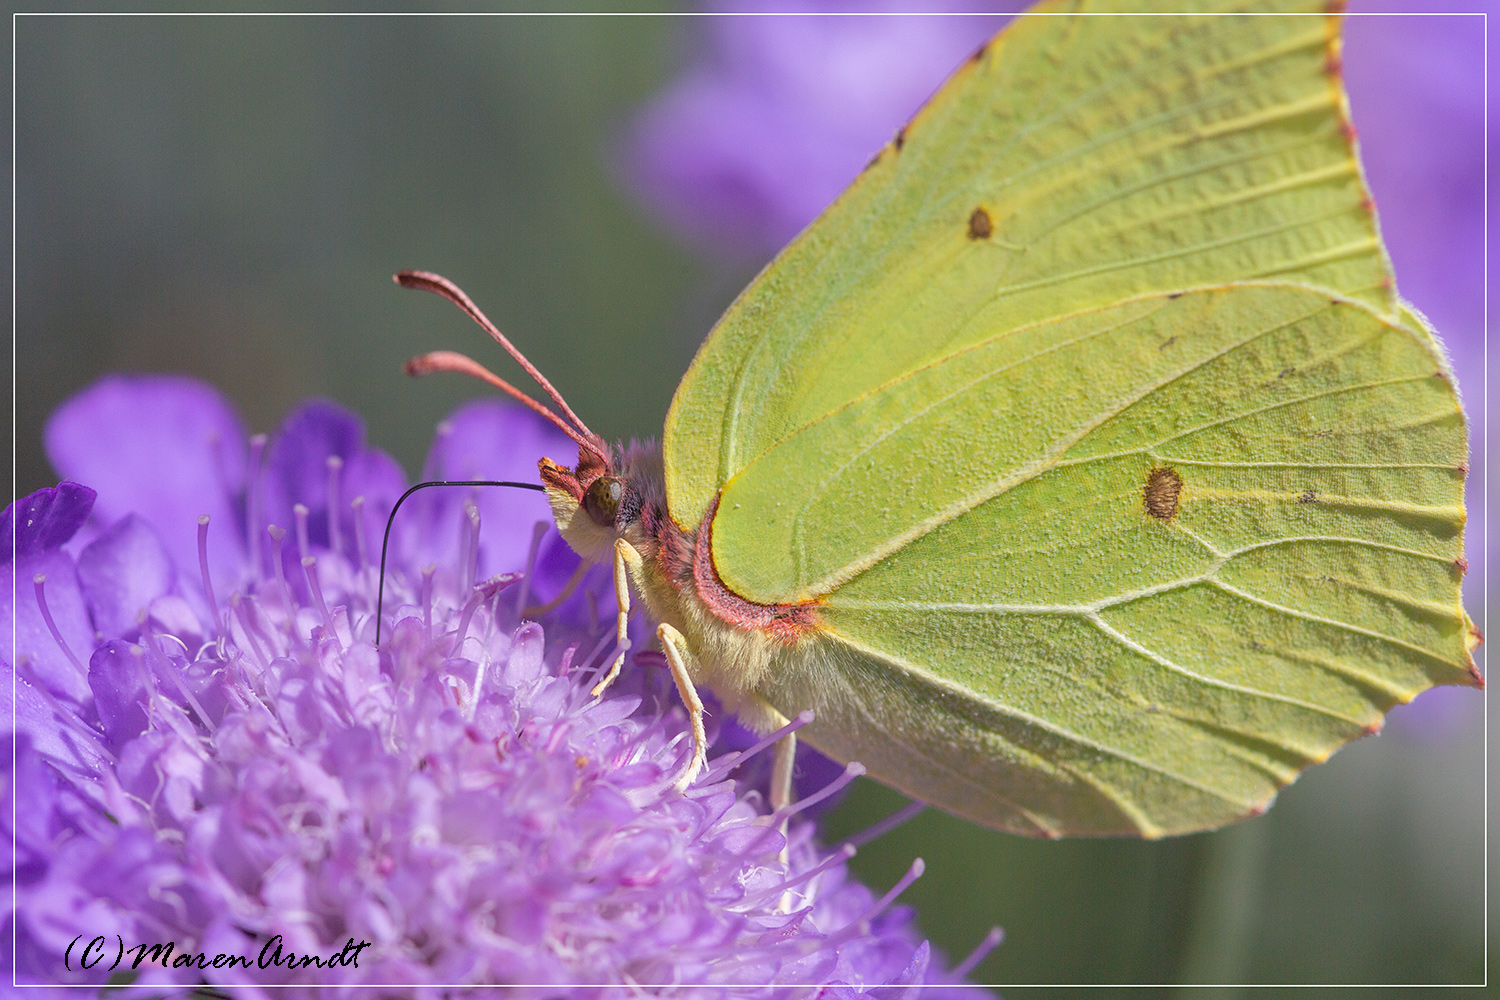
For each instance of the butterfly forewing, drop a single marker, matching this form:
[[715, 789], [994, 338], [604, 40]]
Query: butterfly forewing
[[1111, 155], [1090, 419]]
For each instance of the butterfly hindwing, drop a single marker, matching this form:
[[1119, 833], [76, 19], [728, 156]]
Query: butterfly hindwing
[[1211, 571]]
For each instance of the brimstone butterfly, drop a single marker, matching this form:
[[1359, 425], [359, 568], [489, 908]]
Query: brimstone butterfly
[[1079, 468]]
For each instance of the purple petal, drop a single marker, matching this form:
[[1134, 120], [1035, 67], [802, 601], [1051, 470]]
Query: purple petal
[[556, 563], [378, 478], [122, 572], [297, 471], [36, 651], [165, 447], [486, 439], [297, 464], [45, 519], [118, 682], [22, 707]]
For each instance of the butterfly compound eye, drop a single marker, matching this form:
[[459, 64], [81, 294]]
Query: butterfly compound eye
[[602, 500]]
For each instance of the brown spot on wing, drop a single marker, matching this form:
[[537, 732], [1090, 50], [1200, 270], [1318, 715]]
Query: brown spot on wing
[[1163, 487], [981, 227], [900, 139]]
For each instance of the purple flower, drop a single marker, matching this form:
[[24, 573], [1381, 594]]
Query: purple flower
[[211, 752]]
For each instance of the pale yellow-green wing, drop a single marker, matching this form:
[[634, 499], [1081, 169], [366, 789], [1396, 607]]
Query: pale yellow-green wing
[[1116, 260], [1058, 657], [1111, 155]]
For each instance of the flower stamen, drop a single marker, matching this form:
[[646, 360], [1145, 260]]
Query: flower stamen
[[335, 537], [599, 647], [150, 639], [729, 761], [538, 532], [358, 505], [278, 535], [310, 571], [852, 771], [838, 857], [38, 585], [208, 585], [237, 608], [990, 943], [299, 514], [427, 573], [861, 925], [907, 812], [252, 505], [468, 546], [253, 616], [478, 595]]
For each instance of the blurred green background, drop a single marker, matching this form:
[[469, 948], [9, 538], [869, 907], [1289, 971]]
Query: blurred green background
[[228, 197]]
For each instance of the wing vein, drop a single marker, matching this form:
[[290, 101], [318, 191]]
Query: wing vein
[[1012, 478], [1026, 718]]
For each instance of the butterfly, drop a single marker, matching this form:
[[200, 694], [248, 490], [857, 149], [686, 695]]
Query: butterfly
[[1079, 469]]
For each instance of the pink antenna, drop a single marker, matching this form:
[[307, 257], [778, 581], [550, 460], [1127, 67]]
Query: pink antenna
[[439, 285], [451, 361]]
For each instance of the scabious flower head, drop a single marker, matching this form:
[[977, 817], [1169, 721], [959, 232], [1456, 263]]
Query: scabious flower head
[[211, 751]]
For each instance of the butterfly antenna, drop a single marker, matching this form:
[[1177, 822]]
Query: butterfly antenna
[[386, 541], [451, 361], [439, 285]]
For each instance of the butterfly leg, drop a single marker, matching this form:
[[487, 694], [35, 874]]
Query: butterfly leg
[[762, 717], [675, 646], [784, 753], [626, 559]]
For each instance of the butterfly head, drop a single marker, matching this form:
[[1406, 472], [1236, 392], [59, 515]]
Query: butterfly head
[[602, 499], [605, 495]]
